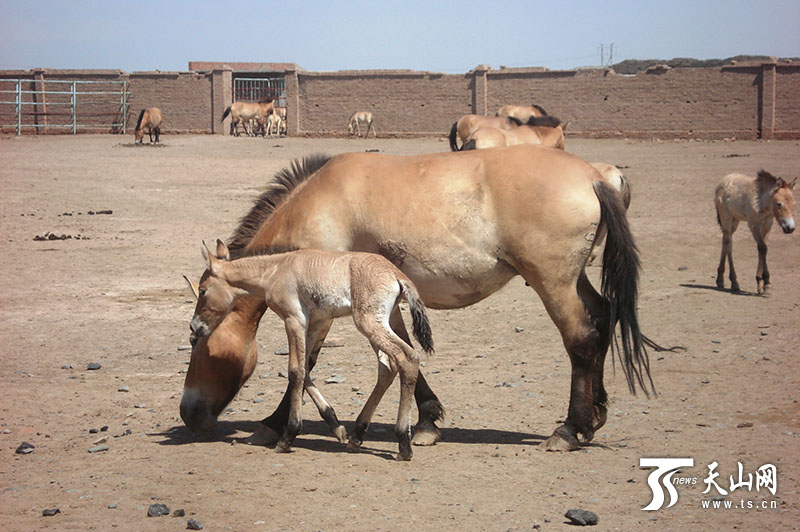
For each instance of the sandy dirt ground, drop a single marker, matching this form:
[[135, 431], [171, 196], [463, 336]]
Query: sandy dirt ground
[[113, 294]]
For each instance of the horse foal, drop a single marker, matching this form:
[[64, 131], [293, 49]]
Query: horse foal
[[757, 200], [306, 289], [361, 117]]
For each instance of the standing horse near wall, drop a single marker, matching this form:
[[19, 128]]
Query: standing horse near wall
[[149, 119], [434, 216], [758, 200], [523, 113], [547, 131], [245, 112], [307, 287], [467, 124], [361, 117]]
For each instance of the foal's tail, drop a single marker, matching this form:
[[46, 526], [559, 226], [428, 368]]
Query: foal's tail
[[419, 319], [225, 114], [453, 133], [619, 286]]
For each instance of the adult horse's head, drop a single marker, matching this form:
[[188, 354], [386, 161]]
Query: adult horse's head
[[781, 198], [218, 368], [223, 361]]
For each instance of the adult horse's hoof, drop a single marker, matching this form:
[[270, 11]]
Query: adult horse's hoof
[[283, 448], [353, 443], [599, 415], [263, 436], [401, 457], [562, 440], [341, 434], [426, 434]]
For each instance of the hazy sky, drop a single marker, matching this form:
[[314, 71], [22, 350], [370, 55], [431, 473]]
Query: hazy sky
[[439, 36]]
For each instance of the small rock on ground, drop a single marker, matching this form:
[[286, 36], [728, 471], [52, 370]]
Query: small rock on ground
[[582, 517], [49, 512], [194, 524], [157, 510], [25, 448]]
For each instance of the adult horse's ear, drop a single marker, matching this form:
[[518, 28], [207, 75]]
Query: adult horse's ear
[[193, 287], [791, 184], [222, 250], [564, 125]]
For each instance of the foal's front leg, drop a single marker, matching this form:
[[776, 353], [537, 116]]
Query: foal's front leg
[[296, 334]]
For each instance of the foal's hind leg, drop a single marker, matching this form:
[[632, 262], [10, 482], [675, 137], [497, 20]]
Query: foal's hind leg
[[728, 226], [430, 410]]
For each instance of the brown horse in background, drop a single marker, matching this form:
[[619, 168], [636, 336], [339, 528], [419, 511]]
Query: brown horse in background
[[758, 200], [434, 216], [243, 112], [547, 131], [467, 124], [149, 119], [523, 113]]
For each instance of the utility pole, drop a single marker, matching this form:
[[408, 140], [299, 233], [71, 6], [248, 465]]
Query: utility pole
[[610, 61]]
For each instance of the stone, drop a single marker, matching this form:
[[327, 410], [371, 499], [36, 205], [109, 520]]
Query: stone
[[93, 366], [98, 449], [180, 512], [50, 512], [582, 517], [25, 448], [194, 524], [157, 510], [334, 379]]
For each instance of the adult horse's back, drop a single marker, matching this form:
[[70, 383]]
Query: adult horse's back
[[460, 225]]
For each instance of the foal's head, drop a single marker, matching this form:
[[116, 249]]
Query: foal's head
[[781, 199], [215, 297]]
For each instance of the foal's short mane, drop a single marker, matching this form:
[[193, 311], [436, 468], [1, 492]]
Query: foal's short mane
[[765, 183], [282, 184], [139, 121]]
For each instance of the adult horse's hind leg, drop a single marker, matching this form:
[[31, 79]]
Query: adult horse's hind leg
[[598, 310], [430, 409], [585, 345]]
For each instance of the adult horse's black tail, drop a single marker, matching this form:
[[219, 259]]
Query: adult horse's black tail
[[139, 120], [453, 134], [225, 114], [619, 287]]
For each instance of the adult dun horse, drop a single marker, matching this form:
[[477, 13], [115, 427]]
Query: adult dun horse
[[243, 112], [467, 124], [547, 131], [757, 200], [460, 226], [523, 113], [149, 119]]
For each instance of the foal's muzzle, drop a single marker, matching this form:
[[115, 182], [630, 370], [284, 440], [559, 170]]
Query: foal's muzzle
[[787, 225]]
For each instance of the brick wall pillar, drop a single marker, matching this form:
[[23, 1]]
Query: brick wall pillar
[[221, 98], [768, 81], [480, 95], [40, 109], [292, 87]]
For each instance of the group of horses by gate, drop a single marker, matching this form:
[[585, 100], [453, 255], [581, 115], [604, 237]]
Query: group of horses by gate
[[429, 229], [256, 118]]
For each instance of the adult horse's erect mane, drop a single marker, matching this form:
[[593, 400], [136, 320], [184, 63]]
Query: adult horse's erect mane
[[284, 182], [139, 120], [543, 121]]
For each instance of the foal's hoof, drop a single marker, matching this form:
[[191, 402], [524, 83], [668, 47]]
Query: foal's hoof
[[283, 448], [401, 457], [562, 440], [340, 433], [353, 444], [735, 288], [263, 436], [426, 434]]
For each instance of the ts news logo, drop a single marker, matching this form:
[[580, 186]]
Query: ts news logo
[[662, 476]]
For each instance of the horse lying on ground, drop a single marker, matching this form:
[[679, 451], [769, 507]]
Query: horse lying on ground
[[523, 113], [361, 117], [758, 200], [242, 113], [435, 217], [547, 131], [308, 288], [149, 119], [467, 124]]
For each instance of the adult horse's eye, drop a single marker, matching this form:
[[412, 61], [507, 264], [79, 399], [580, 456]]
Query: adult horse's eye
[[202, 292], [779, 204]]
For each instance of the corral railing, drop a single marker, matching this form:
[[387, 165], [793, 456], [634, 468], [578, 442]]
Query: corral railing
[[260, 89], [64, 104]]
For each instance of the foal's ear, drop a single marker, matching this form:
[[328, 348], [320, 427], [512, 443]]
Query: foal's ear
[[222, 250], [791, 184], [193, 287], [212, 262]]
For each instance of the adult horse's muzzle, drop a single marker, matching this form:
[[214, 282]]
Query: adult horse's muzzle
[[199, 327], [195, 413]]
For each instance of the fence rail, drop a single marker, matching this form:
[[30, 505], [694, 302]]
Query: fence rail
[[81, 104]]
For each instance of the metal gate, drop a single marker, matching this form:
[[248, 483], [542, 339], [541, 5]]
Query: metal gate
[[64, 104], [259, 89]]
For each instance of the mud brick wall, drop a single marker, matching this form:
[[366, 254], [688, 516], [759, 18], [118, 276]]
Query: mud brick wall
[[787, 102], [663, 103], [183, 97], [402, 102]]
